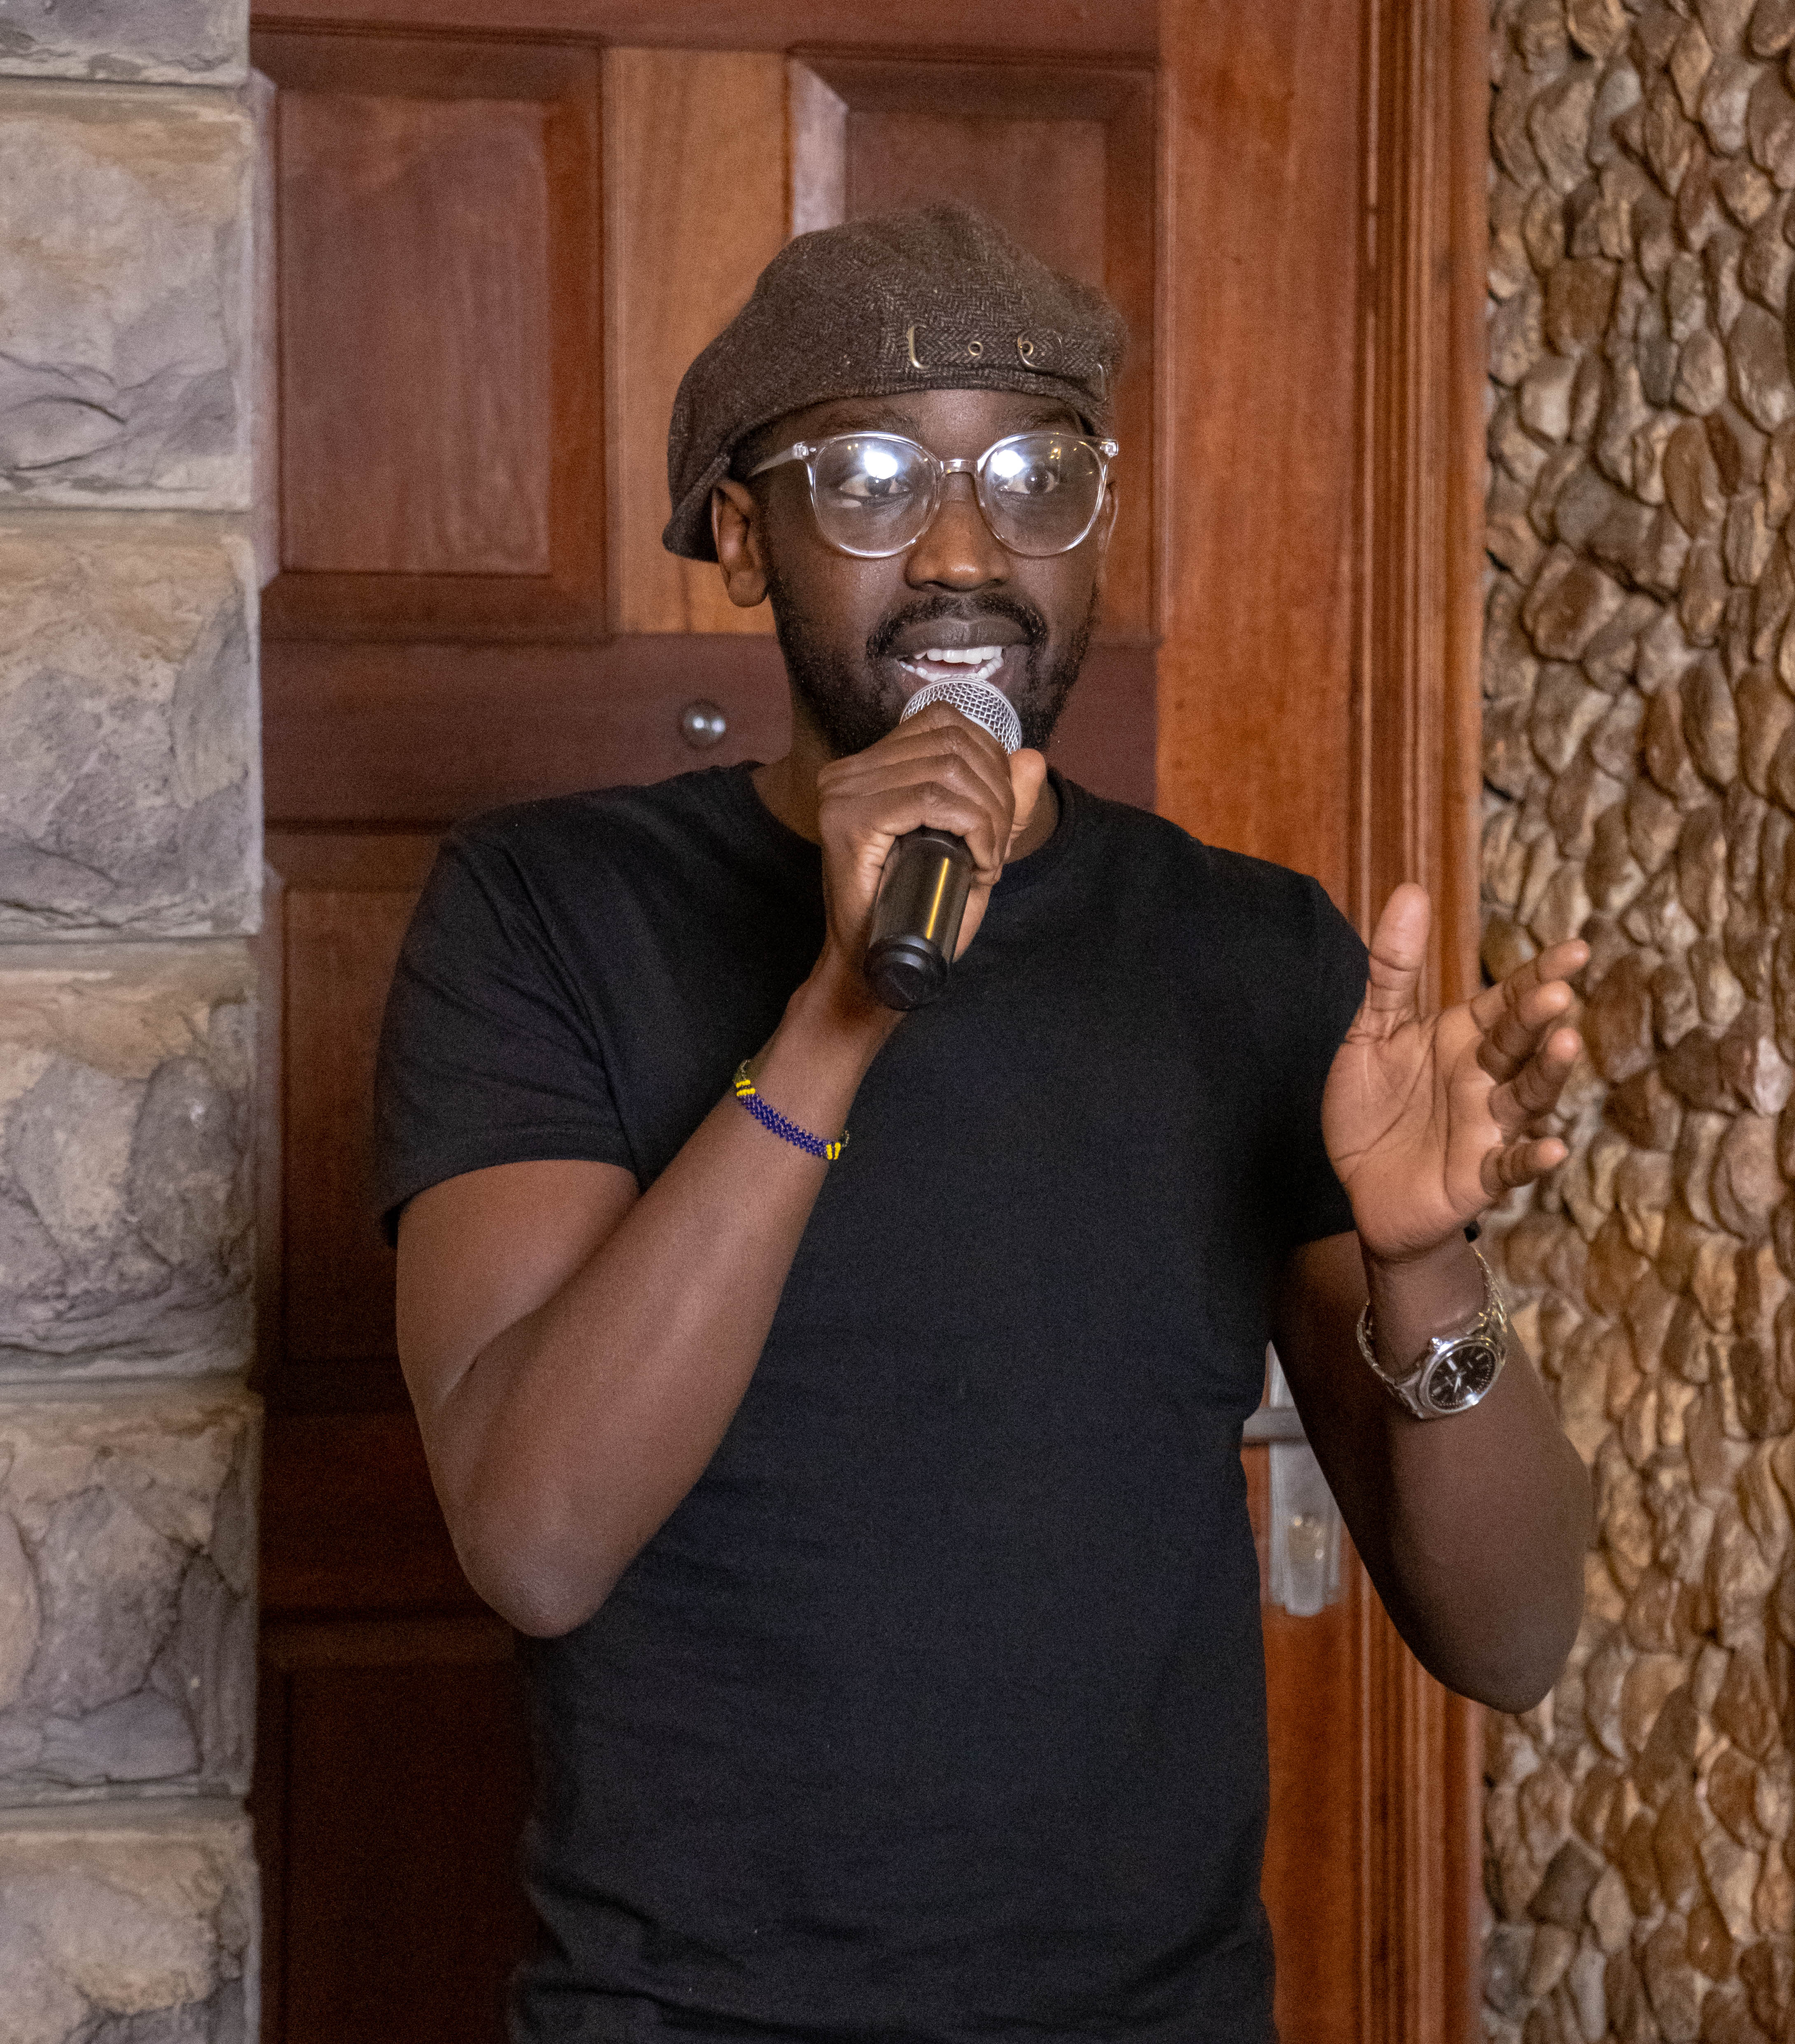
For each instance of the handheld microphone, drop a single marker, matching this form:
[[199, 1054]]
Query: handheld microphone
[[928, 874]]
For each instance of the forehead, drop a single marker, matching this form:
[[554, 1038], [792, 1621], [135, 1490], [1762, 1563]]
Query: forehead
[[939, 418]]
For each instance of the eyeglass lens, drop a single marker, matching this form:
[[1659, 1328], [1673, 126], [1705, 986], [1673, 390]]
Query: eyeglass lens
[[876, 493]]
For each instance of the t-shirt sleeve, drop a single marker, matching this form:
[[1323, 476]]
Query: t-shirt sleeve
[[487, 1054], [1332, 991]]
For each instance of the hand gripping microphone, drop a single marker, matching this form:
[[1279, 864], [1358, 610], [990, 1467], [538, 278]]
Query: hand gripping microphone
[[928, 873]]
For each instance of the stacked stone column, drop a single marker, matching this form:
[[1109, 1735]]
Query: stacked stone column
[[1640, 755], [129, 871]]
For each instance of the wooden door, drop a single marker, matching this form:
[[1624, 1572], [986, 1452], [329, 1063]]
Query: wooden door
[[494, 255], [494, 260]]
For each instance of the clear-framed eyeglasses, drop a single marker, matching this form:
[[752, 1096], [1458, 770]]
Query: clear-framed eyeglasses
[[875, 494]]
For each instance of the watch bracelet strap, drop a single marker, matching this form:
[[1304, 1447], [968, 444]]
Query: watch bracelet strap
[[1491, 1323]]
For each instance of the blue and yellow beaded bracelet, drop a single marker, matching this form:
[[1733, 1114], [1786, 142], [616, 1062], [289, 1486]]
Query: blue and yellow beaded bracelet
[[789, 1132]]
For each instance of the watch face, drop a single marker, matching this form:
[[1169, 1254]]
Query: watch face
[[1462, 1375]]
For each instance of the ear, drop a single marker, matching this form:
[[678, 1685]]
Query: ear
[[1102, 533], [735, 530], [1106, 520]]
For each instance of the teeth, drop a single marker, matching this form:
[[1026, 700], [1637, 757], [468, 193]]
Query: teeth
[[983, 673], [978, 663]]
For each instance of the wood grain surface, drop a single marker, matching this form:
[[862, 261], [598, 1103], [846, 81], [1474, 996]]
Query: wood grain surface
[[1417, 797], [410, 1744], [441, 346], [1311, 1679], [695, 207], [341, 944], [1260, 359], [385, 737], [1073, 28], [1043, 179], [414, 321], [1322, 374]]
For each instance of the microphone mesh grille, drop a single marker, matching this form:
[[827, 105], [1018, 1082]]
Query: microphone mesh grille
[[977, 700]]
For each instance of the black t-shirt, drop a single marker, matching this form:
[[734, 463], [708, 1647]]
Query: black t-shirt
[[935, 1712]]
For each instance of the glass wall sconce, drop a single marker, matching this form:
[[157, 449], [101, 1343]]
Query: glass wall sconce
[[1302, 1570]]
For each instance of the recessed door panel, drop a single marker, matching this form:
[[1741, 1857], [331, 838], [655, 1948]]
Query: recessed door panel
[[441, 349], [415, 283], [395, 1911], [1042, 179]]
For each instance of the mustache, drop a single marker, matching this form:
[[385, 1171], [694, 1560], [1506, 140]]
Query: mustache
[[930, 610]]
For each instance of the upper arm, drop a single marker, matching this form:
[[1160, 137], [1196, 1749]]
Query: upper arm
[[497, 1138], [479, 1252], [491, 1059]]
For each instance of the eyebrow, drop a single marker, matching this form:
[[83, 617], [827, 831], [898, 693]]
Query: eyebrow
[[869, 415]]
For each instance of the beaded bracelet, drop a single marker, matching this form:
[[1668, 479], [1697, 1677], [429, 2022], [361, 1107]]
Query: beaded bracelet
[[770, 1118]]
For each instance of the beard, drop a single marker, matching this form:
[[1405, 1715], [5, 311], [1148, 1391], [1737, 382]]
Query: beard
[[853, 707]]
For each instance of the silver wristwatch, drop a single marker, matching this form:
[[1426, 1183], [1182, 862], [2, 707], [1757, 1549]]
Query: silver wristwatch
[[1455, 1371]]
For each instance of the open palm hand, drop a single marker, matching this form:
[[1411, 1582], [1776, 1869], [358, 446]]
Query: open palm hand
[[1429, 1119]]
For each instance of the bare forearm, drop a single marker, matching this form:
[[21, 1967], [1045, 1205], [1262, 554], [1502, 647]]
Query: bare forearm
[[1489, 1520], [1473, 1528], [571, 1435]]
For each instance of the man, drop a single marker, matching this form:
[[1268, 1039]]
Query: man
[[879, 1524]]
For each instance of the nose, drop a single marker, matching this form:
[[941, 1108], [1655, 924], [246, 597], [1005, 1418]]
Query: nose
[[958, 550]]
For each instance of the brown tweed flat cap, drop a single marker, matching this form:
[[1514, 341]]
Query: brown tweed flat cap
[[935, 300]]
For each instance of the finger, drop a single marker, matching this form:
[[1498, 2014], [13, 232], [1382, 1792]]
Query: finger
[[943, 795], [894, 760], [1515, 1164], [936, 719], [1399, 950], [889, 781], [1534, 1091], [1028, 776], [941, 802], [935, 731], [1561, 961], [1525, 1021]]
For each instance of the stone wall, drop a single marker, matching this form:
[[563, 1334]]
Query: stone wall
[[1640, 763], [129, 867]]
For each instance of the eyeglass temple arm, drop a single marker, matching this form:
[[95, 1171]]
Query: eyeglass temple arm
[[798, 450]]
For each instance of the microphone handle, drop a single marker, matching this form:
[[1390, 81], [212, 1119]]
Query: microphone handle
[[917, 918]]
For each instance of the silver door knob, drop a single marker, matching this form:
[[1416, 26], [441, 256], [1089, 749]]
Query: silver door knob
[[702, 724]]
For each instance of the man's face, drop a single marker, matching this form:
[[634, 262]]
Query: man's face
[[861, 637]]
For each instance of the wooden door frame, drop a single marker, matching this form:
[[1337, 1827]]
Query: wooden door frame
[[1400, 662], [1419, 712], [1404, 663]]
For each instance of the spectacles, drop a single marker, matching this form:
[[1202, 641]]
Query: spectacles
[[876, 493]]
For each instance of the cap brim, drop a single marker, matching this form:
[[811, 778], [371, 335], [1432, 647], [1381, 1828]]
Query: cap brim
[[688, 531]]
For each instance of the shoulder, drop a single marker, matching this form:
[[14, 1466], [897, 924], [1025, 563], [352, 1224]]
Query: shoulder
[[1215, 918], [1207, 878], [586, 824], [568, 855]]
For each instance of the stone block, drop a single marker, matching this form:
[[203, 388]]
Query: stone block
[[127, 1593], [125, 1178], [168, 42], [124, 278], [129, 769], [128, 1927]]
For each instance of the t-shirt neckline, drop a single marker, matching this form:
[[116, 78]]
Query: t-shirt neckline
[[798, 851]]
